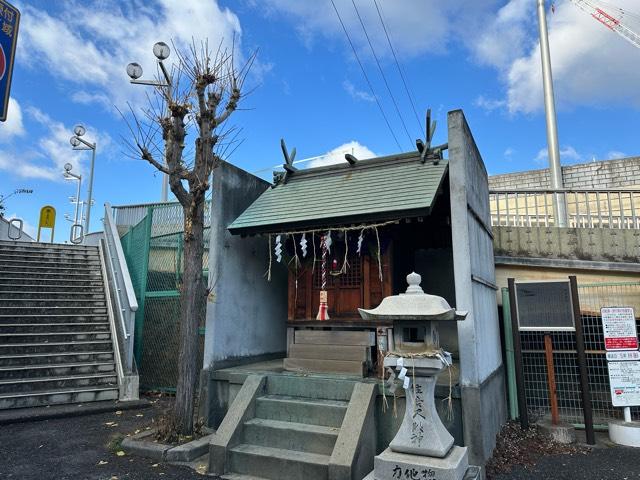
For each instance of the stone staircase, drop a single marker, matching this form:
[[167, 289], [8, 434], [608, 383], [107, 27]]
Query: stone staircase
[[55, 340], [291, 431]]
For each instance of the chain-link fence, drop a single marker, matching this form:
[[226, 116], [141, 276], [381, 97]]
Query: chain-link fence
[[155, 256], [592, 298]]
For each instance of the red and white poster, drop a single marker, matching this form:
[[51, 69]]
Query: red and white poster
[[619, 327]]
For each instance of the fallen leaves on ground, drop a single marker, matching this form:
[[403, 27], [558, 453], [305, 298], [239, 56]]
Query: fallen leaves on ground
[[102, 462], [515, 446], [120, 453]]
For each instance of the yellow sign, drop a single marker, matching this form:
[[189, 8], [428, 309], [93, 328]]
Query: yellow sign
[[47, 220]]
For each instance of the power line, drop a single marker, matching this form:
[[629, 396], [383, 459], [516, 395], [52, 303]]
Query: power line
[[395, 58], [366, 76], [384, 77]]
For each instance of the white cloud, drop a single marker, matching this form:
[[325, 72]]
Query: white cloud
[[489, 104], [46, 158], [336, 155], [508, 153], [416, 27], [568, 154], [615, 154], [591, 64], [356, 94], [91, 45], [13, 127]]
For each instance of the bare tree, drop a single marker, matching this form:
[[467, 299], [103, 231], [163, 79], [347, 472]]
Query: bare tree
[[206, 89]]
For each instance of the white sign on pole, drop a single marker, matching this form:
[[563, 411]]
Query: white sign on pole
[[623, 356], [619, 327], [624, 378]]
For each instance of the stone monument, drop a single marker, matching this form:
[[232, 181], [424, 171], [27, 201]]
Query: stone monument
[[423, 448]]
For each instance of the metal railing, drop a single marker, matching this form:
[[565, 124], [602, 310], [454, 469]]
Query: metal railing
[[618, 209], [122, 288]]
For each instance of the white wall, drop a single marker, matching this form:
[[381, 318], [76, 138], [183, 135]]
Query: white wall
[[247, 314]]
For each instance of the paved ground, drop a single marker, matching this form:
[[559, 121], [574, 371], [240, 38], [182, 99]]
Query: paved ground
[[78, 448], [616, 463]]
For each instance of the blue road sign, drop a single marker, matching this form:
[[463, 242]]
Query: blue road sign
[[9, 20]]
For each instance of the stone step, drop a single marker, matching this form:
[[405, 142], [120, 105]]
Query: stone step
[[46, 293], [52, 337], [304, 365], [328, 413], [335, 337], [54, 347], [351, 353], [60, 269], [240, 476], [30, 276], [290, 436], [55, 370], [47, 257], [56, 358], [9, 245], [47, 262], [51, 310], [52, 302], [26, 317], [310, 387], [53, 397], [77, 327], [12, 283], [23, 385], [278, 464]]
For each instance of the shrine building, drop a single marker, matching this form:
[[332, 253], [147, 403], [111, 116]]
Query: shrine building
[[349, 234]]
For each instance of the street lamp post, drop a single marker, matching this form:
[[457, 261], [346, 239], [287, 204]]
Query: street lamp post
[[79, 143], [161, 51], [72, 176]]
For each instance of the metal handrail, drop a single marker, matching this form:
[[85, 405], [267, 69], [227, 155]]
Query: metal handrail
[[19, 228], [124, 294], [593, 208]]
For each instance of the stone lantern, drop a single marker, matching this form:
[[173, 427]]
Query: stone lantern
[[422, 448]]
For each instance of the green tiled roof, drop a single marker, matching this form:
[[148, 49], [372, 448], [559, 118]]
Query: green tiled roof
[[379, 189]]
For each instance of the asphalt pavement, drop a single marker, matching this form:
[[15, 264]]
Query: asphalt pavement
[[80, 448]]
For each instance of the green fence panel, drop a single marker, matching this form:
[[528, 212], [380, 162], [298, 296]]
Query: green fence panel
[[154, 249]]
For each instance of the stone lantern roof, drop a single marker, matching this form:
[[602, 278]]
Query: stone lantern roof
[[414, 304]]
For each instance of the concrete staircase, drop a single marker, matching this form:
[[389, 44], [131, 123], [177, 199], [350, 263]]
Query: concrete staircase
[[291, 430], [55, 340]]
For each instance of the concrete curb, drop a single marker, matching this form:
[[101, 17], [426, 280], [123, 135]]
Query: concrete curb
[[187, 452], [35, 414]]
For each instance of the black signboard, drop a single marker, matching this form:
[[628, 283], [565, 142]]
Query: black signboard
[[544, 306]]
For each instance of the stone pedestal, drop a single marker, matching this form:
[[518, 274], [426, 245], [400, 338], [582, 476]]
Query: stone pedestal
[[422, 431]]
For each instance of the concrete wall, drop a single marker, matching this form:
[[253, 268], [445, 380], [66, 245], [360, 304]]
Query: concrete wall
[[586, 244], [4, 231], [246, 314], [608, 174], [481, 372]]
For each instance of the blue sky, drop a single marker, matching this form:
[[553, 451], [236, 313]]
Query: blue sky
[[307, 86]]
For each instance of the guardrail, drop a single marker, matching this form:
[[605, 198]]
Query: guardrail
[[122, 288], [618, 209]]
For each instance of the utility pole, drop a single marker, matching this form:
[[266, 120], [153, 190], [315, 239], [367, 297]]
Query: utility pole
[[555, 169]]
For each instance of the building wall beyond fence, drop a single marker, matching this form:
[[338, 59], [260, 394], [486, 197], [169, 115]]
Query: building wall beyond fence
[[608, 174]]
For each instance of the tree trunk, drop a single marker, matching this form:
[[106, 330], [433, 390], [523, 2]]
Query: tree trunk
[[193, 302]]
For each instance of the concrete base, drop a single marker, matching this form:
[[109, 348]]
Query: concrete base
[[561, 433], [390, 464], [480, 430], [625, 433]]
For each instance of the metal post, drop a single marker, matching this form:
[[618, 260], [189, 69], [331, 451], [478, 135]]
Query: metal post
[[551, 380], [75, 216], [90, 189], [517, 347], [555, 170], [510, 355], [582, 363]]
